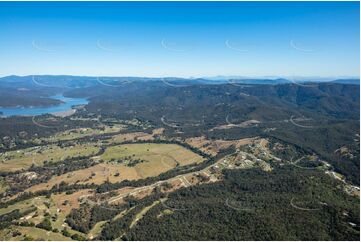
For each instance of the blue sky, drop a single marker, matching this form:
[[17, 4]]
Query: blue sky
[[180, 38]]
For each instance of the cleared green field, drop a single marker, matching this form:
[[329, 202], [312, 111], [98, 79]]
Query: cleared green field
[[83, 132], [24, 158], [23, 205], [163, 153], [30, 233], [46, 207], [37, 216], [158, 158]]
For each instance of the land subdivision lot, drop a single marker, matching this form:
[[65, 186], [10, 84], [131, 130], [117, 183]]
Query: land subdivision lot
[[212, 147]]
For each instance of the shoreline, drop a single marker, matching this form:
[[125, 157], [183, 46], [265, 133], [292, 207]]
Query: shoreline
[[64, 113]]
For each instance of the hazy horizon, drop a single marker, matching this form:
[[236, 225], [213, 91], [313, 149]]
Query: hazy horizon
[[202, 76]]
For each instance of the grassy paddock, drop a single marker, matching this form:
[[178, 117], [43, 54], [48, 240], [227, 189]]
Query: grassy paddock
[[23, 159], [158, 158]]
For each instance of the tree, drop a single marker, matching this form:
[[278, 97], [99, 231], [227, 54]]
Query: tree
[[45, 224]]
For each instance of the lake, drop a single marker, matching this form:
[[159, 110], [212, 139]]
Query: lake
[[67, 105]]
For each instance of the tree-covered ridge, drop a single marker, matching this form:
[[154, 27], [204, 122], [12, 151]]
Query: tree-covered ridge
[[285, 204]]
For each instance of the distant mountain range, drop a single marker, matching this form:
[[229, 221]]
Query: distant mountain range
[[86, 81], [348, 81], [295, 78]]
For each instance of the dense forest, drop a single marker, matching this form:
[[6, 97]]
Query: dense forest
[[286, 204]]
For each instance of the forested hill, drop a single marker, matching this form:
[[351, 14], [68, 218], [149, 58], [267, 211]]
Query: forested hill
[[329, 113], [252, 205], [336, 100]]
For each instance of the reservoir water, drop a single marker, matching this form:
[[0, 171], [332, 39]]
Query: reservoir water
[[67, 105]]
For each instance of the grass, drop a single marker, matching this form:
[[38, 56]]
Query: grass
[[141, 214], [97, 174], [66, 202], [212, 147], [96, 230], [23, 205], [122, 213], [168, 153], [136, 136], [165, 212], [40, 203], [34, 233], [131, 137], [159, 158], [83, 132], [57, 214], [24, 158], [3, 185]]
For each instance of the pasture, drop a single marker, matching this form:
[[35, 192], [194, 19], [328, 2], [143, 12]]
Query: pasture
[[30, 233], [84, 132], [160, 153], [25, 158], [57, 207], [158, 158]]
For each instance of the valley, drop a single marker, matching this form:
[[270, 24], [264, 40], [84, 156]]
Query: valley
[[180, 121], [109, 172]]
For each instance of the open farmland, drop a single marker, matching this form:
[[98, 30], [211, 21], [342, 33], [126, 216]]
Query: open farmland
[[153, 152], [136, 136], [54, 208], [30, 233], [84, 132], [156, 159], [24, 158], [22, 205], [131, 137]]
